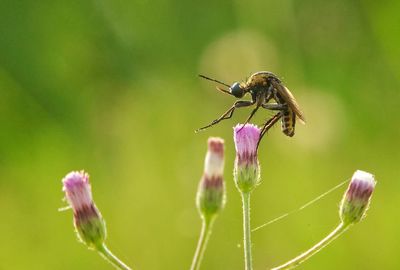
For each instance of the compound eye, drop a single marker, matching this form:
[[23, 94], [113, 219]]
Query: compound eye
[[236, 90]]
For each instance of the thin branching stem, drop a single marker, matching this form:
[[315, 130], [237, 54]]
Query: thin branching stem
[[247, 231], [312, 251], [202, 244], [111, 258]]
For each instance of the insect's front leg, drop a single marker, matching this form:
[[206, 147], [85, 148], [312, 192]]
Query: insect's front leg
[[228, 114]]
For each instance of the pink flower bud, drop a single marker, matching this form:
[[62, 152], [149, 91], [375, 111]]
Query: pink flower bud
[[77, 190], [211, 192], [357, 198], [88, 221], [247, 168], [246, 139]]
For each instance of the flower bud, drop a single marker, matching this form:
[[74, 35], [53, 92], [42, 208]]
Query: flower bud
[[247, 169], [357, 198], [211, 192], [88, 222]]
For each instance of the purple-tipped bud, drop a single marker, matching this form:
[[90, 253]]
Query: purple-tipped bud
[[357, 198], [211, 192], [247, 168], [88, 221]]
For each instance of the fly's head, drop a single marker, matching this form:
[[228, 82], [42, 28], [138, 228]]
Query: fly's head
[[237, 90]]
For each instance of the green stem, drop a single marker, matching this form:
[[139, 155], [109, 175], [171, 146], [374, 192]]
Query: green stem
[[111, 258], [312, 251], [247, 231], [202, 244]]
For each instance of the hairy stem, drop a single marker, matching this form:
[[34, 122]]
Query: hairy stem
[[111, 258], [247, 231], [312, 251], [202, 244]]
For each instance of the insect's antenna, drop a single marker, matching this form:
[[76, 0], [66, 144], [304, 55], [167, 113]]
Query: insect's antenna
[[213, 80]]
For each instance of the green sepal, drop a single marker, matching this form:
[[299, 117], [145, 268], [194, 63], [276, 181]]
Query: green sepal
[[352, 212], [210, 200], [92, 232], [246, 177]]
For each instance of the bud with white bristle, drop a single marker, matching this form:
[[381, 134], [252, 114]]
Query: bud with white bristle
[[357, 198], [353, 207], [211, 192], [247, 169], [88, 222], [210, 197]]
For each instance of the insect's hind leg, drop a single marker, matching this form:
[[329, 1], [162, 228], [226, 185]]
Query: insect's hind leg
[[268, 125], [268, 106], [228, 114], [274, 106]]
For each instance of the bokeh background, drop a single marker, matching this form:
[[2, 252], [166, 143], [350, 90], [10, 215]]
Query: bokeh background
[[111, 87]]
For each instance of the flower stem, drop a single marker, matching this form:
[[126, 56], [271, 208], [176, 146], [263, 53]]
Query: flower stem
[[202, 244], [247, 231], [312, 251], [111, 258]]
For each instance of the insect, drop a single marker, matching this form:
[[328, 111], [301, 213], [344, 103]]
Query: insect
[[263, 86]]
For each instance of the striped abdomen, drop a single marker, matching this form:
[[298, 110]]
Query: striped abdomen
[[288, 122]]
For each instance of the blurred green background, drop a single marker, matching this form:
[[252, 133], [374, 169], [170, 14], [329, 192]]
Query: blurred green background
[[111, 87]]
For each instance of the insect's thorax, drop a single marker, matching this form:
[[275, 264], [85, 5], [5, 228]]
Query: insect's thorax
[[258, 80], [258, 84]]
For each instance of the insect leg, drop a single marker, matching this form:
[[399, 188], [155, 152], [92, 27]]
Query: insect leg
[[270, 94], [250, 116], [228, 114], [268, 106], [268, 125], [274, 106]]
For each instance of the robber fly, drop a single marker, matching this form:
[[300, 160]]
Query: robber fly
[[263, 86]]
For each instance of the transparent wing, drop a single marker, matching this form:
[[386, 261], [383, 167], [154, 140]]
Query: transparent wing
[[289, 98]]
